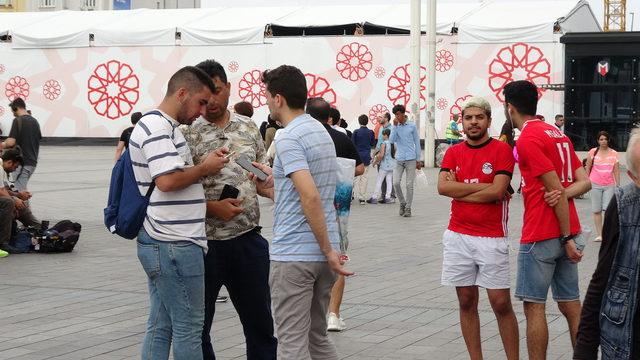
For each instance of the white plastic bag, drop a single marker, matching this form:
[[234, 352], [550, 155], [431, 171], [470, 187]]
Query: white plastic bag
[[421, 180], [342, 198]]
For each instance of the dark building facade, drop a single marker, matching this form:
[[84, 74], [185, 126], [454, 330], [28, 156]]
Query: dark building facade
[[602, 86]]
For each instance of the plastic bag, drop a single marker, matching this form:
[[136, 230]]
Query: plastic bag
[[342, 198], [421, 180]]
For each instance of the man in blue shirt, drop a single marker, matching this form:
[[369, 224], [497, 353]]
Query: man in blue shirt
[[363, 138], [407, 143], [304, 262]]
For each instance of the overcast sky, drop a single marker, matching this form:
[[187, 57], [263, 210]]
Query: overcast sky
[[597, 6]]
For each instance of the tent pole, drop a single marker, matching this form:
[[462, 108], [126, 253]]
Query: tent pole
[[429, 141], [414, 70]]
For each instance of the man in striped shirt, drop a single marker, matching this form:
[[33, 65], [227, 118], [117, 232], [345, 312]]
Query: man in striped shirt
[[172, 240], [304, 262]]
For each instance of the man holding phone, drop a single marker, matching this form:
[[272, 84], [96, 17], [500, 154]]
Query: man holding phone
[[238, 256]]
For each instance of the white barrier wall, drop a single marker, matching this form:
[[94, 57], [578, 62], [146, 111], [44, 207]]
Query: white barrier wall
[[90, 92]]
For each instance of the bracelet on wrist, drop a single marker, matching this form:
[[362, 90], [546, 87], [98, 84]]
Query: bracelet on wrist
[[565, 238]]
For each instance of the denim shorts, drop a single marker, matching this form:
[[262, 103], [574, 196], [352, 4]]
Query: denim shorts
[[545, 264]]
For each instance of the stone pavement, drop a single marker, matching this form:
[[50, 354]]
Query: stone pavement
[[92, 303]]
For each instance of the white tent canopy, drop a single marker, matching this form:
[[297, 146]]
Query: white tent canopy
[[488, 21]]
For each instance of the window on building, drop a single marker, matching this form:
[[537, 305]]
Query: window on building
[[47, 3], [6, 3], [89, 4]]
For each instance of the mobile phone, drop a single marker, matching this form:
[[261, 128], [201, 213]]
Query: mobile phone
[[229, 192], [247, 165]]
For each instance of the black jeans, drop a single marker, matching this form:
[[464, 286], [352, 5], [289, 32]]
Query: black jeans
[[242, 266]]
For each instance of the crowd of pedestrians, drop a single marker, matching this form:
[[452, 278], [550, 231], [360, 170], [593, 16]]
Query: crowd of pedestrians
[[204, 167]]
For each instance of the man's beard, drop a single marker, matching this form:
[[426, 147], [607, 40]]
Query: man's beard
[[477, 137]]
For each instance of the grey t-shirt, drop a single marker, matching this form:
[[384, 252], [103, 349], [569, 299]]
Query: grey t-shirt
[[27, 135]]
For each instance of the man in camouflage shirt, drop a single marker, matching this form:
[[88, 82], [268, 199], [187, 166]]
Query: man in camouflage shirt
[[238, 255]]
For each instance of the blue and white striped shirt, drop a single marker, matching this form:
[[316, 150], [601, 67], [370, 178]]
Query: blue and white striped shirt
[[157, 147], [303, 145]]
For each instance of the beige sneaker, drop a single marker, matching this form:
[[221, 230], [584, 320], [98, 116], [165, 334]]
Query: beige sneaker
[[334, 323]]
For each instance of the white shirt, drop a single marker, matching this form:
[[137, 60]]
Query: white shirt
[[157, 147]]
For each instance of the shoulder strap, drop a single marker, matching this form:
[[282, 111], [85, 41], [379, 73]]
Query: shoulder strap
[[151, 187]]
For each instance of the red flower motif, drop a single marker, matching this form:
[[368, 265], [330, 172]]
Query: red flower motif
[[442, 103], [113, 89], [519, 61], [444, 60], [317, 86], [398, 90], [252, 89], [353, 61], [17, 87], [376, 110], [456, 108], [52, 89], [233, 66], [379, 72]]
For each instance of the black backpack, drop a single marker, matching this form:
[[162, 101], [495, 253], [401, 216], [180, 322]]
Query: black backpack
[[62, 237]]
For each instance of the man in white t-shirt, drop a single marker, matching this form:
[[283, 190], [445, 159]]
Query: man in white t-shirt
[[172, 240]]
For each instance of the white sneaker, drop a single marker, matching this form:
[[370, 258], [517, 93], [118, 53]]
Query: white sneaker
[[334, 323]]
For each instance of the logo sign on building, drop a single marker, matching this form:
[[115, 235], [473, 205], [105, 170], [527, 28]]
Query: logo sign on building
[[121, 4], [603, 68]]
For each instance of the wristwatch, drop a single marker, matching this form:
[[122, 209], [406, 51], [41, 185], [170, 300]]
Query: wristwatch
[[564, 239]]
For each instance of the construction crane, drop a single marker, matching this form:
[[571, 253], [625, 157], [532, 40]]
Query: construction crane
[[615, 12]]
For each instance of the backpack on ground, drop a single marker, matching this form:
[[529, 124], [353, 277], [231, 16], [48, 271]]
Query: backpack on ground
[[62, 237], [126, 208]]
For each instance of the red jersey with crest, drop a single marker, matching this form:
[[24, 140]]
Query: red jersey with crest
[[479, 164], [542, 148]]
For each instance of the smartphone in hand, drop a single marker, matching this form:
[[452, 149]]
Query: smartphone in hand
[[229, 192], [247, 165]]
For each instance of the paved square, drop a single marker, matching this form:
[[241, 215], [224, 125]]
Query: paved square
[[92, 303]]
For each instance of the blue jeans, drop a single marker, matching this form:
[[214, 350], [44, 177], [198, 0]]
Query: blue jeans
[[21, 176], [175, 272], [241, 264], [545, 264]]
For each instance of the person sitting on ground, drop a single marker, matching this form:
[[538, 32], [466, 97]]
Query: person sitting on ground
[[13, 204], [123, 143], [243, 108]]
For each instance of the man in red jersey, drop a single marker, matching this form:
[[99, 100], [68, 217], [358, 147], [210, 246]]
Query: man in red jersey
[[548, 254], [476, 174]]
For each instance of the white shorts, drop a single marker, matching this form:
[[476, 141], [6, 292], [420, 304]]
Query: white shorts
[[474, 260]]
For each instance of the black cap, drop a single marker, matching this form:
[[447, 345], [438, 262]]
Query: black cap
[[12, 154]]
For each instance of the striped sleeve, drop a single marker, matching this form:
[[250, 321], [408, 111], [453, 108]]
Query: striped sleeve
[[161, 154]]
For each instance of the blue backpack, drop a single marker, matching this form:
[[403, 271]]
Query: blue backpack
[[126, 208]]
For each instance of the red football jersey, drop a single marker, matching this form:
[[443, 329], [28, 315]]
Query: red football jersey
[[479, 164], [542, 148]]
